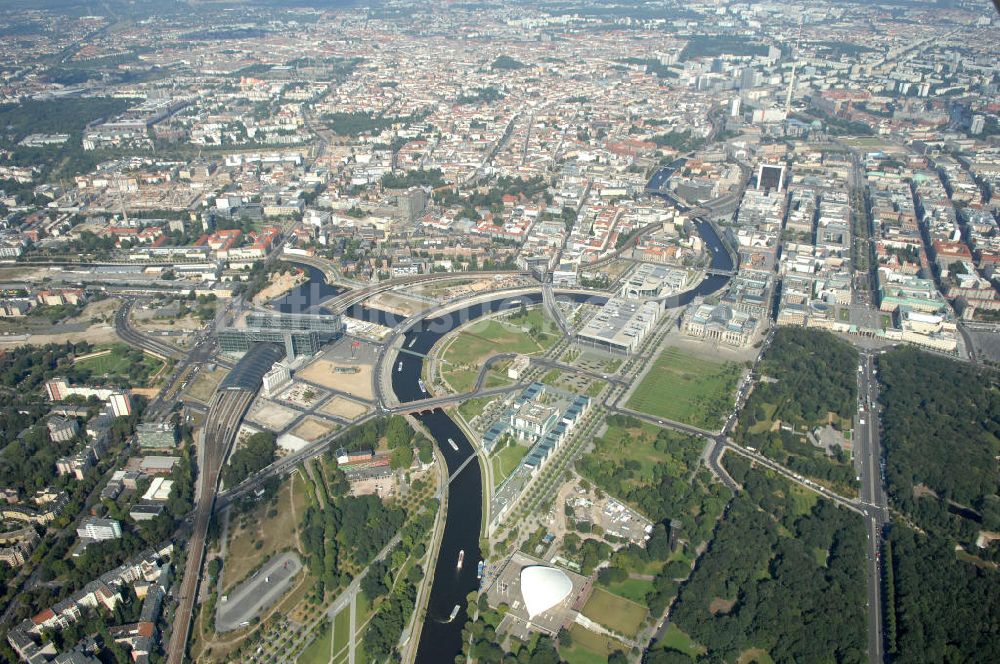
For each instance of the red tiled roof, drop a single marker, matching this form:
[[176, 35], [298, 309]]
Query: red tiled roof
[[44, 616]]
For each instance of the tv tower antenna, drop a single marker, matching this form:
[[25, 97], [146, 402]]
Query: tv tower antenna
[[791, 81]]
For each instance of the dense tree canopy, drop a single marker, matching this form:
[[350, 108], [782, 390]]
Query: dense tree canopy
[[776, 578], [653, 472], [944, 609], [812, 373], [256, 453], [808, 379], [941, 430]]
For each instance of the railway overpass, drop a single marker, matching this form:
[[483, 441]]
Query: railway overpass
[[226, 411]]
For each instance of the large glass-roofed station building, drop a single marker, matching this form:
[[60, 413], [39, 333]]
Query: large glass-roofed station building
[[300, 334]]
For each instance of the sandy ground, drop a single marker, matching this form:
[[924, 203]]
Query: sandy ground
[[343, 407], [312, 428], [437, 288], [382, 487], [280, 283], [147, 323], [452, 289], [95, 334], [398, 303], [321, 373], [102, 310], [25, 273], [289, 443], [271, 415], [205, 383], [986, 538]]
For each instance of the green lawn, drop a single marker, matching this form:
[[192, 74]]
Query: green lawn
[[341, 629], [472, 408], [638, 444], [633, 589], [488, 337], [766, 423], [122, 361], [802, 499], [506, 461], [614, 612], [589, 648], [318, 652], [494, 379], [552, 376], [687, 389], [677, 640], [467, 352]]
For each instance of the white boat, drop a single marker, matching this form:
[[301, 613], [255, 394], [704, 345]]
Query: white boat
[[453, 445], [412, 341], [423, 388], [454, 612], [461, 558], [399, 367]]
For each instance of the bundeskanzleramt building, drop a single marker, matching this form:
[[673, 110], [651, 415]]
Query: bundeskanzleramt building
[[620, 326]]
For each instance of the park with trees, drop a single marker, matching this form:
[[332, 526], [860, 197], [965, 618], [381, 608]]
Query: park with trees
[[784, 574], [807, 380], [941, 432]]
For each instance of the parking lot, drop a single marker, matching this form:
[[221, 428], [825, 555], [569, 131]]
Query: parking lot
[[259, 592]]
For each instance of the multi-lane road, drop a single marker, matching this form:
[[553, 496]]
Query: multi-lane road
[[868, 458], [129, 335], [228, 407], [189, 361]]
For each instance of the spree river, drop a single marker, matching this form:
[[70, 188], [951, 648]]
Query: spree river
[[441, 638]]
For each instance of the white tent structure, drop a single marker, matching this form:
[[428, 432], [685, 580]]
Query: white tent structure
[[543, 587]]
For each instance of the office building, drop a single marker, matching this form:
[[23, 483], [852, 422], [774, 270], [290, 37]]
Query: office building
[[770, 178], [650, 281], [155, 435], [99, 530], [63, 429], [276, 380], [620, 325], [121, 404], [978, 123]]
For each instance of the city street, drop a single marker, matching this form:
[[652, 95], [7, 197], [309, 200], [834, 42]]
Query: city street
[[868, 461]]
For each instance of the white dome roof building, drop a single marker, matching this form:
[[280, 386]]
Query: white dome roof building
[[543, 587]]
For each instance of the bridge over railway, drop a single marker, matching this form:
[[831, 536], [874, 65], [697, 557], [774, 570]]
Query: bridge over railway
[[226, 411]]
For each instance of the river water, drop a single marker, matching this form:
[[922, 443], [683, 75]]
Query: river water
[[441, 638]]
